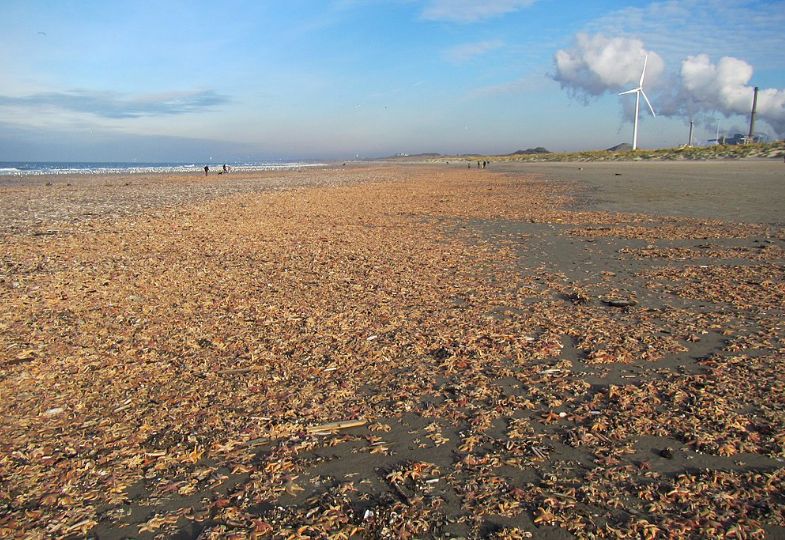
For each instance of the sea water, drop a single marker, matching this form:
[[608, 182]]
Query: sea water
[[24, 168]]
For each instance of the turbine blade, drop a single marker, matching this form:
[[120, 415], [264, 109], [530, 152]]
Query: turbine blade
[[643, 73], [648, 103], [629, 91]]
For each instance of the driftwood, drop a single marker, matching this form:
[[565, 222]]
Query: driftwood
[[402, 493], [621, 302], [335, 426], [256, 442], [233, 371], [322, 429]]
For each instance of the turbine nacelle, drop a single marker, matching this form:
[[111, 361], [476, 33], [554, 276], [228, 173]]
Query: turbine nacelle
[[636, 90]]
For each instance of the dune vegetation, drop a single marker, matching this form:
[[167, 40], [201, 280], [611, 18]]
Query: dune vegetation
[[765, 151]]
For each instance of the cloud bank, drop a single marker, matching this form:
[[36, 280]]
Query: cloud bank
[[467, 11], [115, 105], [597, 65], [725, 87]]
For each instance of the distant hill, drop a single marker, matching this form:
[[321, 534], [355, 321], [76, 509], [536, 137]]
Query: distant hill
[[538, 150], [623, 147]]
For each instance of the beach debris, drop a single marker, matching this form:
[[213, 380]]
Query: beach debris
[[335, 426], [236, 371], [578, 297], [220, 420], [620, 302], [259, 441], [440, 353]]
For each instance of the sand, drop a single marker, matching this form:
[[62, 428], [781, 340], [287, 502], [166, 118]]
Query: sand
[[751, 191], [536, 351], [32, 202]]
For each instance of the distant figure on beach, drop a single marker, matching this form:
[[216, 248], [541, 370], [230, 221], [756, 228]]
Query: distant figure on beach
[[483, 164], [478, 164], [206, 170], [468, 165], [226, 169]]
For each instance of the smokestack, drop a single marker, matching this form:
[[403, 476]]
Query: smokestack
[[751, 134], [689, 143]]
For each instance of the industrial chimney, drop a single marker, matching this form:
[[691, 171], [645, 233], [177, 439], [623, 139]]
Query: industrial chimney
[[751, 134]]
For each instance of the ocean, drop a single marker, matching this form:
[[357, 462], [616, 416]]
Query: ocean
[[25, 168]]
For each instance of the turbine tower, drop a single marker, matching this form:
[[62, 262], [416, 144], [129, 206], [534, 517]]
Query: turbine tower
[[638, 93]]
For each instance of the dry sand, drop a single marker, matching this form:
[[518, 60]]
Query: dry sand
[[523, 362], [30, 203]]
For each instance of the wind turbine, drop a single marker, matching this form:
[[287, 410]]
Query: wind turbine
[[638, 93]]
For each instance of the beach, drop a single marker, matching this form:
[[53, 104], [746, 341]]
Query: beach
[[748, 190], [395, 351]]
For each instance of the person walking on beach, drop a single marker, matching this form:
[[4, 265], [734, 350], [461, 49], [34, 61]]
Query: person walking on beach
[[206, 170], [225, 169]]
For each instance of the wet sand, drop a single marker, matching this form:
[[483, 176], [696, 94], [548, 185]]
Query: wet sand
[[751, 191], [521, 361]]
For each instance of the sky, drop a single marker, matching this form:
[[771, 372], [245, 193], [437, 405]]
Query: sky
[[236, 80]]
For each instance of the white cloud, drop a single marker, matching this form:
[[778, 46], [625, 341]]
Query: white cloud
[[466, 11], [597, 64], [724, 87], [721, 86], [467, 51], [744, 31]]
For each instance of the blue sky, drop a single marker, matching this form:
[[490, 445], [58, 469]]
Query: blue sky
[[241, 80]]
